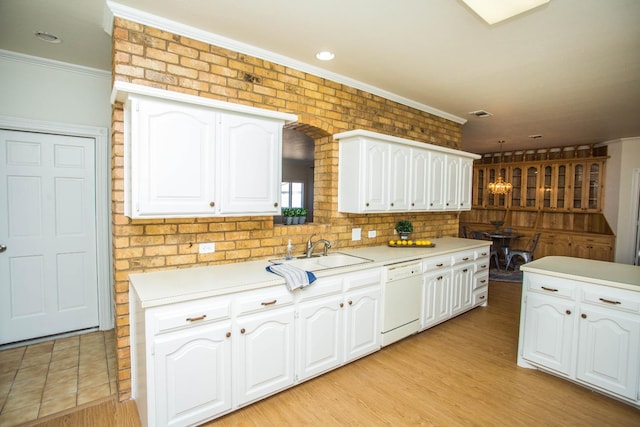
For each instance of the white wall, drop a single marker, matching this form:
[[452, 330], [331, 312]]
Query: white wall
[[621, 201], [39, 89]]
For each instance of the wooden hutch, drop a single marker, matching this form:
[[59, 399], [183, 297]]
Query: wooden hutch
[[556, 191]]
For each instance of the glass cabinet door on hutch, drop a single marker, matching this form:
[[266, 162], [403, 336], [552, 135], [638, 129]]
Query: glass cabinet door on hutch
[[531, 187], [586, 180], [516, 182], [479, 185], [554, 187]]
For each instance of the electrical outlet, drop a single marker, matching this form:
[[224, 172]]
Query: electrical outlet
[[356, 234], [207, 248], [371, 234]]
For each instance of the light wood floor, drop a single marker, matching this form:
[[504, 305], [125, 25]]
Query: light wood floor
[[460, 373]]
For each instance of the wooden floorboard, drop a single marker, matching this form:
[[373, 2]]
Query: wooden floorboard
[[460, 373]]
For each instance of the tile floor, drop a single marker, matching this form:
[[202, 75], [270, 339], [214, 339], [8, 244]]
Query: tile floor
[[41, 379]]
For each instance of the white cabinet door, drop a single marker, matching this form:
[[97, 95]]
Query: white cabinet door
[[437, 181], [451, 185], [362, 322], [420, 175], [399, 177], [249, 165], [192, 375], [462, 288], [464, 183], [263, 353], [609, 351], [319, 336], [549, 327], [171, 154], [436, 298], [376, 176]]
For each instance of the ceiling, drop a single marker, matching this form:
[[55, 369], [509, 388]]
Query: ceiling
[[568, 70]]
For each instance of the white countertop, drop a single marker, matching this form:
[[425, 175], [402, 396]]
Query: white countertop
[[171, 286], [623, 276]]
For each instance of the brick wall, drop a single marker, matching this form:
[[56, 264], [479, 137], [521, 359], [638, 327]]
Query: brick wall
[[149, 56]]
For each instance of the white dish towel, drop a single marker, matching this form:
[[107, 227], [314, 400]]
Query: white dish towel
[[296, 278]]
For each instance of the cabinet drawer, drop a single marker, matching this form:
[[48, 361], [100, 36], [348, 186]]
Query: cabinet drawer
[[263, 299], [482, 264], [436, 263], [482, 253], [481, 280], [189, 314], [618, 299], [550, 285], [480, 296], [321, 287], [465, 256]]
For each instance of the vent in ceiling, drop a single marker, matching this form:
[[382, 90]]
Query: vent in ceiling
[[481, 113]]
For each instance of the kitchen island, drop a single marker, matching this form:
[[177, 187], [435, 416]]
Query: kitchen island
[[580, 320]]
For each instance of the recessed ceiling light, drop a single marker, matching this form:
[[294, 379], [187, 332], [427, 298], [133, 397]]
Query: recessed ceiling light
[[481, 113], [48, 37], [496, 11], [325, 55]]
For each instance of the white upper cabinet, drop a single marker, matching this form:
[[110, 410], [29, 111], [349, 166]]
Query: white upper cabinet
[[381, 173], [187, 156]]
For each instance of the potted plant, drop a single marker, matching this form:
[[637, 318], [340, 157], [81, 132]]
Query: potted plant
[[302, 215], [287, 216], [403, 228]]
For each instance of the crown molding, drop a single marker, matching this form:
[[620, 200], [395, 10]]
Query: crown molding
[[144, 18], [50, 63]]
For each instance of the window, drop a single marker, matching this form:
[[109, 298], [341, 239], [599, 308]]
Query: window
[[292, 194]]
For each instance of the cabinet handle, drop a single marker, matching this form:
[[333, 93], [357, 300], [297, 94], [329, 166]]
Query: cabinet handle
[[483, 254], [195, 319], [439, 278], [366, 204], [483, 266], [212, 204], [549, 289], [568, 311], [465, 270], [439, 265], [413, 204], [341, 304], [228, 334], [608, 301], [242, 331], [584, 316], [391, 204], [483, 281], [275, 205], [350, 302], [269, 302], [481, 296], [465, 258]]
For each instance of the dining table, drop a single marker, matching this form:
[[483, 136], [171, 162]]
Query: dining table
[[502, 240]]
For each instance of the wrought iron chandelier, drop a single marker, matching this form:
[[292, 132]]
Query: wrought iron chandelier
[[499, 186]]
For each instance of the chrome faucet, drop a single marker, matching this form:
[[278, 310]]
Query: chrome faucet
[[312, 245]]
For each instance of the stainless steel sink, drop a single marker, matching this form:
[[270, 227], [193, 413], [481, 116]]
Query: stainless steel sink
[[319, 262]]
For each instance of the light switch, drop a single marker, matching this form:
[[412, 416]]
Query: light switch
[[356, 234]]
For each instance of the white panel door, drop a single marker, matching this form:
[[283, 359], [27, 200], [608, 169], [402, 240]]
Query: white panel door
[[48, 278]]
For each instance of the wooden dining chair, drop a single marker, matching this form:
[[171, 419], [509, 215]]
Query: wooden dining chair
[[525, 253]]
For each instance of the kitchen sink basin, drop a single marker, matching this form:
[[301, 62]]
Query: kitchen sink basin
[[319, 262]]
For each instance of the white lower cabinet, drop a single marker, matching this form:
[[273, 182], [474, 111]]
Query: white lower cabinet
[[337, 322], [184, 395], [587, 333], [263, 354], [453, 284]]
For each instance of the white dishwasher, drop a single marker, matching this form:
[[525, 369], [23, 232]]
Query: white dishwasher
[[401, 301]]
